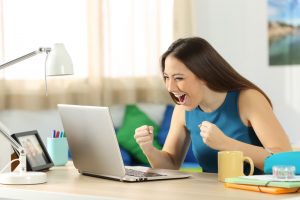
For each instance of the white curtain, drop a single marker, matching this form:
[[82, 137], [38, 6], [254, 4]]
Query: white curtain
[[184, 19], [131, 36]]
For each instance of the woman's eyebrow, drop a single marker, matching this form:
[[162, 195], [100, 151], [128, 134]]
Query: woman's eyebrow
[[176, 74]]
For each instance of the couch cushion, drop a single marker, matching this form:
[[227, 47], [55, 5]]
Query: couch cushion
[[126, 157], [164, 129], [165, 125], [134, 118]]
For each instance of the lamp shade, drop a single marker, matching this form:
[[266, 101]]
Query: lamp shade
[[58, 61]]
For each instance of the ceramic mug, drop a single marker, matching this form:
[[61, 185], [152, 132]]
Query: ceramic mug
[[231, 164], [58, 150]]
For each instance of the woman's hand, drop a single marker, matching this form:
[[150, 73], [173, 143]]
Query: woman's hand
[[213, 136], [144, 137]]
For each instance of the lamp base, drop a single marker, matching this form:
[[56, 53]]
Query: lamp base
[[18, 178]]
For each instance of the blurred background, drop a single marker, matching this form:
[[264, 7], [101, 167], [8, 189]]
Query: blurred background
[[116, 45]]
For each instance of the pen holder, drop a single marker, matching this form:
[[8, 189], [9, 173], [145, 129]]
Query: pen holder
[[58, 150]]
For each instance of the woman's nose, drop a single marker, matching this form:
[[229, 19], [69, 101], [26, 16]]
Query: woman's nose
[[170, 86]]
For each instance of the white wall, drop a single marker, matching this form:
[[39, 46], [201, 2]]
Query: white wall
[[238, 30], [5, 153], [43, 121]]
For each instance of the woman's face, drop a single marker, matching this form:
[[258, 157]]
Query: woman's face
[[183, 84]]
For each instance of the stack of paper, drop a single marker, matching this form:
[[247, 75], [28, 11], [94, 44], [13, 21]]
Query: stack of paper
[[264, 183]]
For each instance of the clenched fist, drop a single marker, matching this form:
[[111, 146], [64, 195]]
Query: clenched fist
[[144, 137], [212, 135]]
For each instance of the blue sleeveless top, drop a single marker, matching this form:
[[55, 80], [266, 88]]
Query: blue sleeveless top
[[227, 118]]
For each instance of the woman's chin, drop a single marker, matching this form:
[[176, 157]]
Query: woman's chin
[[188, 107]]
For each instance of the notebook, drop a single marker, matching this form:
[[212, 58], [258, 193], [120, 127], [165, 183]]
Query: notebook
[[264, 189], [262, 181], [94, 147]]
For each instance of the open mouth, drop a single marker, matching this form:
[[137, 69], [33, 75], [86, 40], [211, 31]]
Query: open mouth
[[181, 98]]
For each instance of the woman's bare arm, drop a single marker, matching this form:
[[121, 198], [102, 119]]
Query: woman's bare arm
[[175, 147], [256, 111]]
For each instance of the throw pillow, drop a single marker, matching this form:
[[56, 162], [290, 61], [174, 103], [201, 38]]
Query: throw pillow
[[190, 156], [134, 118], [126, 157], [165, 125]]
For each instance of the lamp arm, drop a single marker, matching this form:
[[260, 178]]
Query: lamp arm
[[3, 130], [22, 155], [29, 55]]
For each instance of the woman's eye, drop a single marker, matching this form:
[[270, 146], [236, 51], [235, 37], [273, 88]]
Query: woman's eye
[[178, 78]]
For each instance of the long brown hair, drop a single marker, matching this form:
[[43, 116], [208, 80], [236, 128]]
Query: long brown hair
[[208, 65]]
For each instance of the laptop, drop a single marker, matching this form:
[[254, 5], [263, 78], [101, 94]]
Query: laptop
[[95, 150]]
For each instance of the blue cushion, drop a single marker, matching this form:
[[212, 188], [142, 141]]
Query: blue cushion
[[165, 125], [126, 157], [190, 165], [164, 129], [190, 156]]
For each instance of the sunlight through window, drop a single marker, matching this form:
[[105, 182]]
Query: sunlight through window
[[30, 24], [136, 33]]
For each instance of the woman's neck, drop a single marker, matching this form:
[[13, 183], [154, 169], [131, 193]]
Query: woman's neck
[[212, 101]]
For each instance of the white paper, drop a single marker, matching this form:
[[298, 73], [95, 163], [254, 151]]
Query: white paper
[[271, 178]]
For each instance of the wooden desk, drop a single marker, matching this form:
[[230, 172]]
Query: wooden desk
[[67, 184]]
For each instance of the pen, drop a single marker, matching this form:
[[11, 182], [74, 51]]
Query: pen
[[53, 133], [57, 134], [61, 134]]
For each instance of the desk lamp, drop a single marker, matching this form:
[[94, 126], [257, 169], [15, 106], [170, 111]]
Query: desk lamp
[[58, 62]]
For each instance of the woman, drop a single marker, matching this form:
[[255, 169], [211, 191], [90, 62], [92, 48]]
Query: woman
[[217, 109]]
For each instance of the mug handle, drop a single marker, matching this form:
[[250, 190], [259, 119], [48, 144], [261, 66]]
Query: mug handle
[[251, 165]]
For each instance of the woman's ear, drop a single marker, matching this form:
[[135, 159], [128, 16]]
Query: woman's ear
[[203, 82]]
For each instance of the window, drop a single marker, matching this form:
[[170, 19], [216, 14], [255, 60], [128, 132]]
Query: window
[[136, 33], [30, 24]]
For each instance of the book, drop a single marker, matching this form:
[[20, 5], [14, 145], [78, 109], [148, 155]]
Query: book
[[261, 180]]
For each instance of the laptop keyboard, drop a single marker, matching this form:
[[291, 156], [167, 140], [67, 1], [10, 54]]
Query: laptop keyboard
[[136, 173]]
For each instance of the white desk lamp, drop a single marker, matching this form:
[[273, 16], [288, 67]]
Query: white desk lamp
[[58, 62]]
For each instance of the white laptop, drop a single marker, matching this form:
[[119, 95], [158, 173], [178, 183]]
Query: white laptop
[[94, 147]]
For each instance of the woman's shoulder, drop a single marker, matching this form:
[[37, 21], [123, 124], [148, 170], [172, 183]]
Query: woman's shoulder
[[252, 99], [250, 103], [251, 96]]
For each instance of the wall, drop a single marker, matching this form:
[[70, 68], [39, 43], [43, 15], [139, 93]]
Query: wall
[[238, 30], [5, 154], [43, 121]]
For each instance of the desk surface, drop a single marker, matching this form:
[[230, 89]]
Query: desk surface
[[66, 183]]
